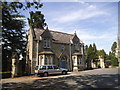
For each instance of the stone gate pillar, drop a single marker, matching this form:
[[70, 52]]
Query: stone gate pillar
[[102, 63], [15, 63], [75, 64]]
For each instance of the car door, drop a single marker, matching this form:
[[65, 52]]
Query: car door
[[50, 69], [57, 69]]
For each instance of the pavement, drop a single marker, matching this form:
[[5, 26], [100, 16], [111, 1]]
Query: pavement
[[96, 78]]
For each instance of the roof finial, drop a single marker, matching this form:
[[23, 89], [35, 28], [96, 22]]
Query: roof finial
[[75, 33]]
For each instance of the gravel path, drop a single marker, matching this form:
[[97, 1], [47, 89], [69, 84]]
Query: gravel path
[[98, 78]]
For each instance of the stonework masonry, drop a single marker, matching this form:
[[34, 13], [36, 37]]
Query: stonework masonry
[[46, 47]]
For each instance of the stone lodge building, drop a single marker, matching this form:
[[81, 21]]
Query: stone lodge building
[[47, 47], [118, 49]]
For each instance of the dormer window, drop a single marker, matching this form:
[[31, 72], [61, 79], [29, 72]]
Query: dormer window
[[46, 43]]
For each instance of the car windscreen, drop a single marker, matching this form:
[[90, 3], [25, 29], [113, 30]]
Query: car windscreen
[[36, 68]]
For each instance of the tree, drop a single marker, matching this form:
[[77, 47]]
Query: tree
[[113, 48], [107, 60], [89, 56], [95, 54], [113, 59], [102, 53], [37, 20], [13, 39], [13, 34]]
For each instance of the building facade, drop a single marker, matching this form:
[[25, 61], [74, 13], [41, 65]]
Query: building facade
[[118, 49], [46, 47]]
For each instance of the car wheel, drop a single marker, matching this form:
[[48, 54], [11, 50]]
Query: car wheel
[[45, 74], [64, 72], [36, 75]]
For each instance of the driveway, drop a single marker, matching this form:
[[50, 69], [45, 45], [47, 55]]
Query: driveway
[[97, 78]]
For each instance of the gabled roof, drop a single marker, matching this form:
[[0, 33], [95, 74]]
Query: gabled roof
[[46, 34], [58, 37]]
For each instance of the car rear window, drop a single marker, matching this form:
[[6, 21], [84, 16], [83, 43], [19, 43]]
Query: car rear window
[[55, 67]]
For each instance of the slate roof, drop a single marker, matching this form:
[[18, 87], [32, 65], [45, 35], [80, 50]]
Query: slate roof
[[58, 37]]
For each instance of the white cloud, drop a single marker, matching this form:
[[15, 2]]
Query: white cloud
[[98, 25], [82, 14], [86, 34]]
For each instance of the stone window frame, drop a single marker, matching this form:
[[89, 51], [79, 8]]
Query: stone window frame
[[46, 43], [77, 46]]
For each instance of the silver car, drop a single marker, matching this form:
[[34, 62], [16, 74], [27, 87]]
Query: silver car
[[49, 69]]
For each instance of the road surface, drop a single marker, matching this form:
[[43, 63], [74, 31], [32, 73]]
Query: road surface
[[97, 78]]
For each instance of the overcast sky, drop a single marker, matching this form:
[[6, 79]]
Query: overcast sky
[[93, 22]]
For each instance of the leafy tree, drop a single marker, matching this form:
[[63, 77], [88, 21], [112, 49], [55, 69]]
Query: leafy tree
[[102, 53], [13, 34], [107, 60], [113, 48], [89, 56], [95, 54], [91, 53], [113, 59], [36, 20], [90, 50], [13, 39]]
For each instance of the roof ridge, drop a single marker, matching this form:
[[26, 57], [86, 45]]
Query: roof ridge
[[60, 32], [56, 31]]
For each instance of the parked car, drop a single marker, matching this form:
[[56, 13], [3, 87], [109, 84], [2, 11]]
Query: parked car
[[49, 69]]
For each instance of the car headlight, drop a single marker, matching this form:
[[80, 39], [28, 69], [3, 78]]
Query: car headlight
[[36, 71]]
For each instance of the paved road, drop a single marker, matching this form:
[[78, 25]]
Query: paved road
[[97, 78]]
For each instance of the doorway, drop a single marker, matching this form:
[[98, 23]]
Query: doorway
[[63, 63]]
